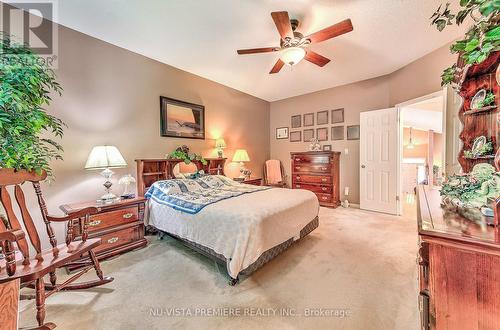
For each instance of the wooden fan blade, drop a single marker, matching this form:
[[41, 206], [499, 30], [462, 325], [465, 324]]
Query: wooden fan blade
[[258, 50], [331, 31], [282, 22], [316, 58], [277, 67]]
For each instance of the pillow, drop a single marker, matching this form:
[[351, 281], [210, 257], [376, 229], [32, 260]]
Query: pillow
[[215, 181], [175, 186]]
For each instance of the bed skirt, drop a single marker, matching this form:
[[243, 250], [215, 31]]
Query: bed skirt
[[261, 261]]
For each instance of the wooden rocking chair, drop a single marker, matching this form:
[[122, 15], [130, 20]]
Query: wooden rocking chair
[[31, 270]]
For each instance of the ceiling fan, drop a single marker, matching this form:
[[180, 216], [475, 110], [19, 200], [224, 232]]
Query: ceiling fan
[[293, 44]]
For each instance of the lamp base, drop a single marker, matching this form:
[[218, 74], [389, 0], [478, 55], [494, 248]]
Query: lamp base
[[108, 197]]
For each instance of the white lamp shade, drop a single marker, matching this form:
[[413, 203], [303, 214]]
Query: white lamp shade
[[220, 143], [102, 157], [241, 155], [293, 55]]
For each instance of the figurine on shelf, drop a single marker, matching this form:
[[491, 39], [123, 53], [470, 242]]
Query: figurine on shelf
[[314, 146]]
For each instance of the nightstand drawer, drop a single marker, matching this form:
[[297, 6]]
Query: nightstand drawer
[[117, 238], [112, 218]]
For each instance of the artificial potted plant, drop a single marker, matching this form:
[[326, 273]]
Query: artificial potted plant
[[27, 130]]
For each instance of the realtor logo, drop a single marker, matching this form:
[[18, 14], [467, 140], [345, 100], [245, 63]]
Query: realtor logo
[[29, 22]]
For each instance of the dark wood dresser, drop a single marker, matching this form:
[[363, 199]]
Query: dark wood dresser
[[318, 171], [459, 268], [119, 225]]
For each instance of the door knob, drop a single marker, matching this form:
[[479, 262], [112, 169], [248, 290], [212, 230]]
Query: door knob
[[363, 166]]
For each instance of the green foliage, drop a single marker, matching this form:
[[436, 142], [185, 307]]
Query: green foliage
[[183, 153], [480, 41], [25, 86]]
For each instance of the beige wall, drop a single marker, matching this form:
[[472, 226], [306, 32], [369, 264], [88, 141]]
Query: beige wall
[[354, 98], [420, 139], [416, 79], [111, 96]]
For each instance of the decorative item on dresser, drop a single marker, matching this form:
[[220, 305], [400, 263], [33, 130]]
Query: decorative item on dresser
[[220, 144], [119, 225], [318, 171], [151, 170]]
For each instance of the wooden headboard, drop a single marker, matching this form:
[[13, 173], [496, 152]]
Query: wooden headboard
[[151, 170]]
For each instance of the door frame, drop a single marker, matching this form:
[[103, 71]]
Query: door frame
[[399, 106]]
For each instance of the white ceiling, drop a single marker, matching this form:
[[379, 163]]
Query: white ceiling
[[202, 36]]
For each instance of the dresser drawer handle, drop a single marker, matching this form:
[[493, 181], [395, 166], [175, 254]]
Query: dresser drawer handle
[[297, 186], [94, 223], [324, 168], [297, 159], [297, 167], [324, 198], [113, 240], [297, 177], [128, 215], [324, 179], [324, 188]]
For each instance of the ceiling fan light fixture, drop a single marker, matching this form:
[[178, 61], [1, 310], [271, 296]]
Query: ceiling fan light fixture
[[293, 55]]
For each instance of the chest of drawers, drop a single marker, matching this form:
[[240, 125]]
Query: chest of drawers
[[317, 171]]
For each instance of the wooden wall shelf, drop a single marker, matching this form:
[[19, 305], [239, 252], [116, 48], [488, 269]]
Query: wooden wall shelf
[[479, 122], [480, 110]]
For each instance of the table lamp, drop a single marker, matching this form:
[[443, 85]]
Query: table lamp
[[220, 144], [105, 158], [241, 156]]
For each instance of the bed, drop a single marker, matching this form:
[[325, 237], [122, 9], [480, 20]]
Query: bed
[[239, 225]]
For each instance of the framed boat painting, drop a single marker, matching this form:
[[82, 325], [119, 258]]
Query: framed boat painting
[[181, 119]]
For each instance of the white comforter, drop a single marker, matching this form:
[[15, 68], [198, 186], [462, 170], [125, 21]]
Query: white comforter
[[241, 228]]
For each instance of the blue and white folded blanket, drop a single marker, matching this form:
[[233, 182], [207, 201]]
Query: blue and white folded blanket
[[192, 195]]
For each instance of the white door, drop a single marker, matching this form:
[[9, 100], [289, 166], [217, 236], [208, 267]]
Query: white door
[[379, 152]]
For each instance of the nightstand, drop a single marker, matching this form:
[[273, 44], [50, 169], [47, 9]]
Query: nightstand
[[120, 226], [253, 181]]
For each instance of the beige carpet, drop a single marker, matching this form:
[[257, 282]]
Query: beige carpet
[[356, 271]]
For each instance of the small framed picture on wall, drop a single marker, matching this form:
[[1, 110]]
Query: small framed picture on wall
[[322, 134], [281, 133], [327, 147], [353, 132], [322, 118], [337, 116], [296, 136], [309, 119], [337, 133], [296, 121], [308, 135]]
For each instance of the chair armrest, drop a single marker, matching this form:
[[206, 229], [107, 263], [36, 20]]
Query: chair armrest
[[11, 235], [74, 215]]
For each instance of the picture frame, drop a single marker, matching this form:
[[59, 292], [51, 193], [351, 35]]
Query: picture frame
[[322, 117], [337, 116], [181, 119], [353, 132], [309, 119], [296, 136], [308, 135], [296, 121], [327, 147], [281, 133], [322, 134], [337, 133]]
